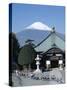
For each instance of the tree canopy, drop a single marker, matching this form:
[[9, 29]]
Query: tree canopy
[[14, 47], [27, 55]]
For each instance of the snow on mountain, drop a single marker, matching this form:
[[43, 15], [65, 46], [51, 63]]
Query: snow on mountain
[[36, 31], [39, 26]]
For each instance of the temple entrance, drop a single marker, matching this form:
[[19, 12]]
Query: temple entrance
[[53, 55], [54, 63]]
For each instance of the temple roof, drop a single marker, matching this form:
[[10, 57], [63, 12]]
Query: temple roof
[[47, 43]]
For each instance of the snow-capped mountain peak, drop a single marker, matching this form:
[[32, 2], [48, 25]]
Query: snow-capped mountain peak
[[39, 26]]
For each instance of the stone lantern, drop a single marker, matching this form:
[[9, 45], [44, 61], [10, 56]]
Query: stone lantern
[[37, 64]]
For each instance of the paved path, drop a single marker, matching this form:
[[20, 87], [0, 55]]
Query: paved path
[[22, 81]]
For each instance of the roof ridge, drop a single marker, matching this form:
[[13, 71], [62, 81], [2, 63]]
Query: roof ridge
[[43, 40], [47, 37]]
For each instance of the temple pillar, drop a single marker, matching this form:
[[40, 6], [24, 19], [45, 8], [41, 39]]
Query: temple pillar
[[61, 64], [48, 64]]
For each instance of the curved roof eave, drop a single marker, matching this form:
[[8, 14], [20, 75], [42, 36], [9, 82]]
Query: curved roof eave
[[42, 41], [36, 48]]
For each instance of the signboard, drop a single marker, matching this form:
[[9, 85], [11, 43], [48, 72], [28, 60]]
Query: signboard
[[54, 58]]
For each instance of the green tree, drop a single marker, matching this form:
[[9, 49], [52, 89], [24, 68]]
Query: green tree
[[13, 55], [27, 55], [14, 48]]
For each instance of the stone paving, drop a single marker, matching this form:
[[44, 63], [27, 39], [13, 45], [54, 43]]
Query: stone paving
[[19, 80]]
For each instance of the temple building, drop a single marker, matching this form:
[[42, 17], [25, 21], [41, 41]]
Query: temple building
[[52, 50]]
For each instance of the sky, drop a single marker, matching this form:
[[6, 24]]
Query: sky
[[24, 15]]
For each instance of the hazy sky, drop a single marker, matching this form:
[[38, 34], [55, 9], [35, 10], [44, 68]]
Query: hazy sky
[[25, 14]]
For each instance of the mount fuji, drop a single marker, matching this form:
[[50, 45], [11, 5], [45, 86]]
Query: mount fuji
[[36, 31], [39, 26]]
